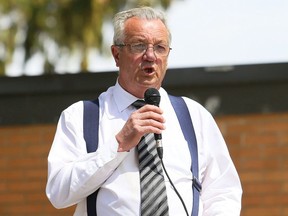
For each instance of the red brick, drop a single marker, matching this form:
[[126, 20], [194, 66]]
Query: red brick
[[258, 145], [263, 211]]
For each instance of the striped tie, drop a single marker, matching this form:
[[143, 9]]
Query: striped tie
[[153, 190]]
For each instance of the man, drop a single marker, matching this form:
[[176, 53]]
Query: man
[[141, 48]]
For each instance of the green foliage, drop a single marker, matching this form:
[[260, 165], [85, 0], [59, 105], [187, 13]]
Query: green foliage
[[70, 24]]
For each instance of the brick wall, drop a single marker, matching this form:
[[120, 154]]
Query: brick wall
[[23, 168], [258, 145]]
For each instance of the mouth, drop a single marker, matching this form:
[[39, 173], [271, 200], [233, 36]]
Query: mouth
[[148, 70]]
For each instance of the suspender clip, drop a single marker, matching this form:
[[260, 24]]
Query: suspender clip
[[197, 184]]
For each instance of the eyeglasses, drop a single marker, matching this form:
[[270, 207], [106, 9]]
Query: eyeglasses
[[140, 48]]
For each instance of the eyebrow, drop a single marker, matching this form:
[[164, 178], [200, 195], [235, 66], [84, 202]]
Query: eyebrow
[[143, 40]]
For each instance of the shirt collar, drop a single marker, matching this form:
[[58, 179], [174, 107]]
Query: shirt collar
[[123, 99]]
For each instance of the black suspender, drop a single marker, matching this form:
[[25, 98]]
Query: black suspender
[[91, 126]]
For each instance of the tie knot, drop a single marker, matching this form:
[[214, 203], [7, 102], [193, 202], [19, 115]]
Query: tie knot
[[138, 104]]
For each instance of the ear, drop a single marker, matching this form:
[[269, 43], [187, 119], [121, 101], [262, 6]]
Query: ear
[[115, 53]]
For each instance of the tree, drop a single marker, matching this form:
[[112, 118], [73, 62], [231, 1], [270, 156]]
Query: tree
[[68, 24]]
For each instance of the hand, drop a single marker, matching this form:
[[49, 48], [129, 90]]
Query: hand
[[147, 119]]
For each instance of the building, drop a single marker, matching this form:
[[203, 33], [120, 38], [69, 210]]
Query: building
[[249, 102]]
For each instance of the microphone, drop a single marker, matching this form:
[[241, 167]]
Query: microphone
[[152, 96]]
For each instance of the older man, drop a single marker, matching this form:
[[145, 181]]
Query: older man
[[141, 48]]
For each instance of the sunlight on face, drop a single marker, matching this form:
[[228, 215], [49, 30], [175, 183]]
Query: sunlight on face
[[137, 72]]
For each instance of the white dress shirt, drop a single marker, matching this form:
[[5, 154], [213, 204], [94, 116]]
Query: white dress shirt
[[73, 174]]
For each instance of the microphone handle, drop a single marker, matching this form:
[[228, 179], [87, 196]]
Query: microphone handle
[[158, 139], [159, 148], [158, 136]]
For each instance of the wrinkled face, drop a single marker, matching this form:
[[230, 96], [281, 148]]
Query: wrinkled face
[[139, 71]]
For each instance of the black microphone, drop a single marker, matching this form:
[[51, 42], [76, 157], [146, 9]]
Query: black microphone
[[152, 96]]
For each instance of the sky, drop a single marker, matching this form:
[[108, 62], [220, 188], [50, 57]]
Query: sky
[[221, 32], [205, 33]]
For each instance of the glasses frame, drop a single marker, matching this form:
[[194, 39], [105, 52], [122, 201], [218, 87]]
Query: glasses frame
[[130, 45]]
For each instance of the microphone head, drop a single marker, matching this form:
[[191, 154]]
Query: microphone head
[[152, 96]]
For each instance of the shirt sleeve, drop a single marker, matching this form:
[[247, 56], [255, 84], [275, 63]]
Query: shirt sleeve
[[73, 174], [221, 188]]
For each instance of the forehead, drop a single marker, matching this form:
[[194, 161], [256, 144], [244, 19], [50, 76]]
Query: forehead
[[150, 30]]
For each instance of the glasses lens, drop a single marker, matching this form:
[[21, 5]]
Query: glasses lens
[[140, 48], [161, 49]]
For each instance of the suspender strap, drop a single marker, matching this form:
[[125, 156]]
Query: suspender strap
[[91, 127], [186, 124]]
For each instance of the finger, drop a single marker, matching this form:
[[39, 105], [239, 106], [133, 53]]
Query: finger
[[150, 116], [152, 123], [152, 108]]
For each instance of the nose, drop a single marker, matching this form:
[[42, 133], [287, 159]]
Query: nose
[[150, 54]]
